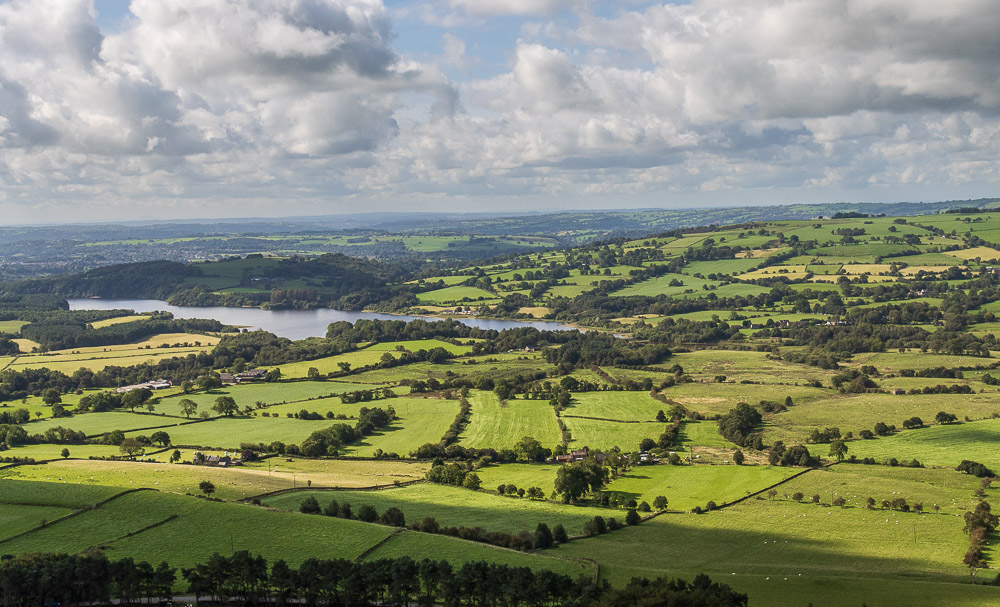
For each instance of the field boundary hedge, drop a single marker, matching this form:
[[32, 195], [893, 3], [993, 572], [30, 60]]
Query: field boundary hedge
[[301, 489], [138, 531], [769, 487], [607, 419], [75, 513], [377, 545]]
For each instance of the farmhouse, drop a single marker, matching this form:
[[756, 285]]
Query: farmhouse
[[251, 375], [156, 384]]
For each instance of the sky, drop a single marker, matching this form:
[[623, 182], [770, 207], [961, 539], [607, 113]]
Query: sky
[[158, 109]]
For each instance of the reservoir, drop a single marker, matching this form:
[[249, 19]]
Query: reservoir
[[293, 324]]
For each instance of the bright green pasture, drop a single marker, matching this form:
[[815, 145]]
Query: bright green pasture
[[12, 327], [715, 398], [419, 421], [93, 424], [661, 286], [887, 362], [117, 321], [694, 485], [500, 426], [15, 519], [231, 483], [600, 434], [951, 491], [703, 434], [47, 451], [229, 432], [200, 528], [520, 475], [722, 266], [456, 507], [455, 294], [419, 344], [937, 445], [784, 553], [495, 365], [421, 545], [856, 412], [740, 365], [39, 410], [330, 364], [73, 497], [630, 406], [247, 395]]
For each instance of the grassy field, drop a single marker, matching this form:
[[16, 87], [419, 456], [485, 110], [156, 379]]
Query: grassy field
[[784, 553], [158, 347], [892, 362], [12, 327], [268, 393], [501, 425], [457, 507], [93, 424], [330, 364], [456, 294], [189, 530], [630, 406], [420, 344], [752, 366], [520, 475], [420, 545], [100, 324], [419, 421], [937, 445], [229, 432], [231, 483], [703, 434], [600, 434], [694, 485], [661, 286], [715, 398], [856, 412], [950, 491]]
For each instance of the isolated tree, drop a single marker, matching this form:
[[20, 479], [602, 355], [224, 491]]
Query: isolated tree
[[344, 366], [367, 514], [839, 501], [309, 506], [312, 373], [209, 382], [135, 398], [529, 449], [188, 407], [207, 487], [945, 418], [175, 456], [393, 517], [797, 496], [51, 397], [225, 405], [471, 481], [661, 416], [160, 438], [738, 457], [838, 449], [543, 536], [131, 447], [64, 453], [632, 517], [660, 502], [559, 534]]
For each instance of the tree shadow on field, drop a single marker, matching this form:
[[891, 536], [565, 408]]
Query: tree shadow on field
[[762, 547]]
